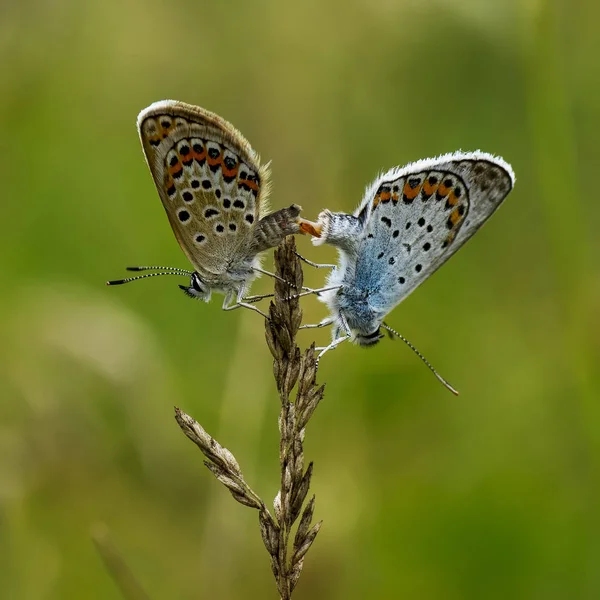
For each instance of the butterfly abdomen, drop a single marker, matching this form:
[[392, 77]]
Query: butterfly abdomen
[[271, 229]]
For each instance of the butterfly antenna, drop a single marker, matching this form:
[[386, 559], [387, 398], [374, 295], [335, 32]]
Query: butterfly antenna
[[440, 378], [128, 279], [183, 271]]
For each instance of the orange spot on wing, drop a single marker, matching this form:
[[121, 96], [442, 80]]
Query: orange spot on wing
[[230, 172], [385, 196], [395, 197], [199, 156], [376, 200], [251, 184], [455, 216], [176, 169], [452, 199], [443, 190], [429, 189], [410, 192], [215, 161]]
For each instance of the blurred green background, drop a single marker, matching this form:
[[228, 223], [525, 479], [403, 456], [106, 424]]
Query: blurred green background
[[494, 494]]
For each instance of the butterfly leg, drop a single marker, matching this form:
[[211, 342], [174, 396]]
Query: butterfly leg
[[314, 264], [252, 299], [240, 303], [316, 292], [259, 270], [323, 323], [331, 346], [338, 340]]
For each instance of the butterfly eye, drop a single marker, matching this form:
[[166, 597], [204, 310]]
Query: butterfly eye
[[197, 284], [197, 288]]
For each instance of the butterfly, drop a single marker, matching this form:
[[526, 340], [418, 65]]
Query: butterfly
[[214, 191], [411, 220]]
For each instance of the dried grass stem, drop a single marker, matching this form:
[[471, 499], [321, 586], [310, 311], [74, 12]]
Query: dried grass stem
[[292, 369]]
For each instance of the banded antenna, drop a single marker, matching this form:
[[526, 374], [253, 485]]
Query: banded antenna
[[161, 271], [440, 378]]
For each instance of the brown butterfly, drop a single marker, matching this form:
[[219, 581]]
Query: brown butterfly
[[214, 191]]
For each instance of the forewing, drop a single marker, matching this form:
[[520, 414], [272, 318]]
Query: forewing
[[417, 216], [209, 180]]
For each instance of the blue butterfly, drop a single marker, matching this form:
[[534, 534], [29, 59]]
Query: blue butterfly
[[410, 221]]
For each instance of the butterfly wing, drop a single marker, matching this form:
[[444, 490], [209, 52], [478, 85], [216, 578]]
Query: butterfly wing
[[417, 216], [209, 179]]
